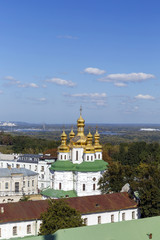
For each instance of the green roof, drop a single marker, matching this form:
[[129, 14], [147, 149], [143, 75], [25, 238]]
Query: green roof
[[126, 230], [58, 193], [97, 165]]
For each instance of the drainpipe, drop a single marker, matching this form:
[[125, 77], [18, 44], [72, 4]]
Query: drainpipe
[[36, 227], [119, 215]]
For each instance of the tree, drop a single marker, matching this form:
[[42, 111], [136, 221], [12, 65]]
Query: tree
[[59, 215], [112, 179]]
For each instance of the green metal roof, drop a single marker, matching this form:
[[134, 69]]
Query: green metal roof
[[58, 193], [126, 230], [97, 165]]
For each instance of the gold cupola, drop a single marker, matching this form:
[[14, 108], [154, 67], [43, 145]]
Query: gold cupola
[[89, 147], [80, 139], [72, 134], [63, 147], [97, 146]]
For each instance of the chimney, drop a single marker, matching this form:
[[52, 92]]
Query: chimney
[[150, 236], [9, 166], [2, 209]]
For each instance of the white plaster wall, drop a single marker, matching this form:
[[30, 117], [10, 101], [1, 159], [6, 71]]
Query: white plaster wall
[[80, 155], [97, 155], [7, 229], [90, 155], [92, 219], [63, 156], [65, 178], [87, 178]]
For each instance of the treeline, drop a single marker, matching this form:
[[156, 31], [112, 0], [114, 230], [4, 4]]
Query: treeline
[[26, 144], [137, 164]]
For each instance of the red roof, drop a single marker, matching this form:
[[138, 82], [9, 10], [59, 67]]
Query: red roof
[[29, 210]]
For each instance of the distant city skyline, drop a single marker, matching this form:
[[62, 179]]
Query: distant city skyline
[[58, 55]]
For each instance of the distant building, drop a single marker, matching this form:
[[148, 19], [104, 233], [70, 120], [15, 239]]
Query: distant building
[[23, 218], [35, 162], [16, 182]]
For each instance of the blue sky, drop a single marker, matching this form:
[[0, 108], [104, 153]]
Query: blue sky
[[56, 55]]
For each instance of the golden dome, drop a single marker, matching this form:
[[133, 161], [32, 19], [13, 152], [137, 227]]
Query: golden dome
[[63, 147], [72, 134], [89, 147], [97, 146]]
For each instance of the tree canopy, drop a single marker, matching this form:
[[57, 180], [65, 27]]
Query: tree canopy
[[59, 215]]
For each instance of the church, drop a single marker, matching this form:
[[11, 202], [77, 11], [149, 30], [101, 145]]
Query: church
[[79, 165]]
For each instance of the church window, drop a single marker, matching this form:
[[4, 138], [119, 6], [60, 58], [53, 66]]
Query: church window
[[24, 184], [98, 156], [65, 157], [133, 215], [99, 219], [112, 218], [60, 186], [0, 233], [14, 231], [42, 168], [86, 221], [91, 158], [28, 183], [84, 187], [87, 157], [28, 229], [6, 185], [61, 157], [94, 186], [32, 183], [123, 216], [77, 155]]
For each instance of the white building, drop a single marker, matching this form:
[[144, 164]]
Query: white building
[[34, 162], [16, 182], [79, 165], [23, 218]]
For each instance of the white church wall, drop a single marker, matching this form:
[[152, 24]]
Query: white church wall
[[63, 180], [108, 217], [80, 155]]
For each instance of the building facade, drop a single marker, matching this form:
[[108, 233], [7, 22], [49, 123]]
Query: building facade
[[79, 165], [23, 218], [16, 182]]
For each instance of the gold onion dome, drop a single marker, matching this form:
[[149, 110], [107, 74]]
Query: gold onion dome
[[72, 134], [63, 147], [97, 145], [89, 147]]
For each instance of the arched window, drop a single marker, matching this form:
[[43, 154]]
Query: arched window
[[94, 186], [61, 157], [60, 186], [65, 157], [84, 187], [87, 157], [91, 158], [98, 156]]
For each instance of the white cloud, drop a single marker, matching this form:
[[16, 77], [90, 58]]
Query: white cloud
[[33, 85], [26, 85], [10, 78], [99, 99], [42, 99], [124, 77], [90, 95], [61, 82], [120, 84], [146, 97], [94, 71]]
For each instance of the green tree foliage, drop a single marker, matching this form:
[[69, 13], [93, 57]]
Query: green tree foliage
[[58, 216], [112, 179], [25, 144]]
